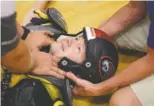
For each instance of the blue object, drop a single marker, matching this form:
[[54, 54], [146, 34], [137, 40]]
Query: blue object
[[150, 41]]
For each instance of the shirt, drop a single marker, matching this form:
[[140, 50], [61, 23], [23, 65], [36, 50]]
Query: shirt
[[150, 41]]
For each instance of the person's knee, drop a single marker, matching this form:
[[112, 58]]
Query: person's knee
[[124, 97]]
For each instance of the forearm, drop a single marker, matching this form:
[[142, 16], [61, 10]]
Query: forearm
[[136, 71], [124, 18], [18, 60]]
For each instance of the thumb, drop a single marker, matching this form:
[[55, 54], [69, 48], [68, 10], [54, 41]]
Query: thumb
[[74, 78]]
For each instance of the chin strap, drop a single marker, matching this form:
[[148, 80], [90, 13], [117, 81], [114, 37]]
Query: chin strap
[[84, 70], [78, 69], [93, 72]]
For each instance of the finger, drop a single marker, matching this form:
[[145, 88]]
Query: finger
[[54, 64], [57, 70], [55, 74], [34, 49], [56, 59], [79, 82], [47, 42], [47, 72], [73, 78], [78, 91], [75, 91]]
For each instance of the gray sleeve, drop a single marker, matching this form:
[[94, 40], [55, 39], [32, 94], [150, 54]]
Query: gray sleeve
[[9, 37]]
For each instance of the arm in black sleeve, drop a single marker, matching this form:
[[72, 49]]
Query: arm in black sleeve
[[15, 55], [9, 37]]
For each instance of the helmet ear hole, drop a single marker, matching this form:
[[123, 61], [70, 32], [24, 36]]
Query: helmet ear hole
[[106, 67], [88, 64]]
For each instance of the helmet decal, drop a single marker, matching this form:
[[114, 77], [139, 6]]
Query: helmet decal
[[93, 33], [90, 33], [106, 68], [105, 65]]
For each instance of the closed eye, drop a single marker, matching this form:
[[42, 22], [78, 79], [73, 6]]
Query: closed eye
[[76, 38], [79, 48]]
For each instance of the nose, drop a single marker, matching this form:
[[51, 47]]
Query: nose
[[69, 42]]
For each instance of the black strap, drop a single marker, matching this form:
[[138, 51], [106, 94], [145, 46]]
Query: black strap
[[5, 84], [26, 32]]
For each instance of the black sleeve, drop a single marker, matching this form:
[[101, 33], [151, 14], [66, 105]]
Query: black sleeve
[[9, 37]]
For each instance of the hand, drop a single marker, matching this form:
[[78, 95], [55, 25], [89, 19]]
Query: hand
[[83, 87], [35, 40], [44, 65]]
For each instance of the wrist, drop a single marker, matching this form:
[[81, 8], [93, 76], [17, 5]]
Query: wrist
[[96, 91], [105, 88], [109, 29], [99, 89], [20, 29], [104, 29]]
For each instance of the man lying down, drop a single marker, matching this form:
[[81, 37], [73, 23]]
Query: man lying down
[[89, 54]]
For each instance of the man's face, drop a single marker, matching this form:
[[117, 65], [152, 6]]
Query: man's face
[[72, 48]]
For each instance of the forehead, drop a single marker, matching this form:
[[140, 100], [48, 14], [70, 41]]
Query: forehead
[[63, 37]]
